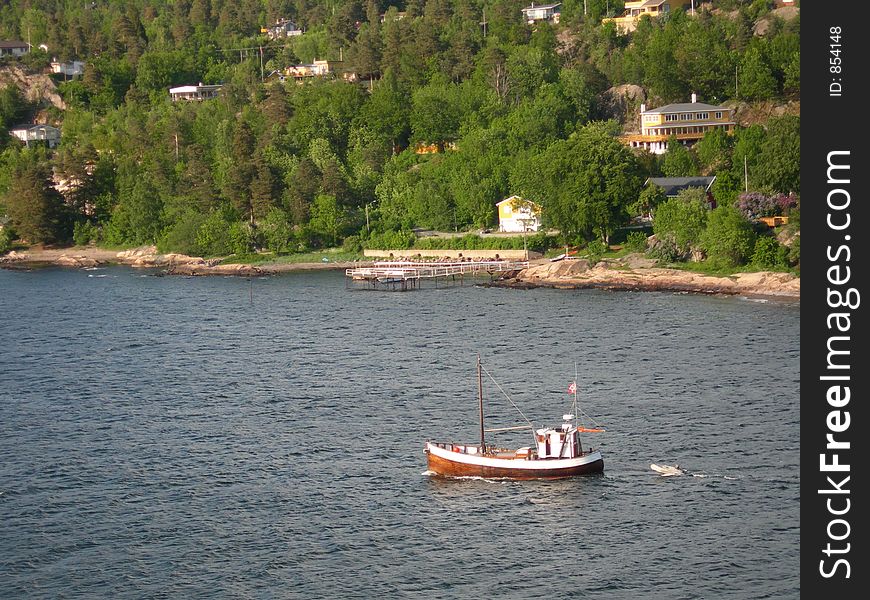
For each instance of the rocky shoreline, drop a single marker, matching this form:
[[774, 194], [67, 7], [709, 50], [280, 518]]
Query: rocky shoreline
[[148, 257], [636, 273], [632, 273]]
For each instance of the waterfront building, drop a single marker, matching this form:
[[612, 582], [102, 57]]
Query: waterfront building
[[518, 215], [687, 121]]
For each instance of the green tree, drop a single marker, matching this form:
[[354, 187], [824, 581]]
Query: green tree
[[756, 81], [35, 209], [680, 221], [728, 239], [327, 217], [584, 184], [779, 161], [714, 151], [649, 199], [678, 160]]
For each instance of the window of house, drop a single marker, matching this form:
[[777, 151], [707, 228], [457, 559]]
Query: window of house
[[719, 115]]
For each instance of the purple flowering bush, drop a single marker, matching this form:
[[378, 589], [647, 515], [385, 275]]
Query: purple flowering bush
[[755, 204]]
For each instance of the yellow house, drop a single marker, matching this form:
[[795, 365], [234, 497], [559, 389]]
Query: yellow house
[[688, 122], [635, 9], [518, 215]]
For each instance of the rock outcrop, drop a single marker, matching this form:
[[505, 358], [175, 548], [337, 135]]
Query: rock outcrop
[[618, 275], [37, 88]]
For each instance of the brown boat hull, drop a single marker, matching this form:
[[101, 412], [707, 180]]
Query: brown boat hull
[[447, 468]]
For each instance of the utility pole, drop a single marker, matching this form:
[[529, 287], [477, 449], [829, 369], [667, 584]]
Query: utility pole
[[484, 22], [745, 176], [736, 95], [262, 75]]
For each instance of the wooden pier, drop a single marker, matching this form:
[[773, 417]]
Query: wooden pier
[[404, 275]]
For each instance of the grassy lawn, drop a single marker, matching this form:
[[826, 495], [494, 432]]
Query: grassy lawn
[[327, 255]]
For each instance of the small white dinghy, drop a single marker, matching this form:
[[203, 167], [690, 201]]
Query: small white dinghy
[[667, 470]]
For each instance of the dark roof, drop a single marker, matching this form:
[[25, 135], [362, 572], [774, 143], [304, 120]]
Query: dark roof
[[685, 107], [13, 44], [674, 185]]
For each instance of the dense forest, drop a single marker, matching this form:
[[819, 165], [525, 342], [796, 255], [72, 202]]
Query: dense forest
[[511, 108]]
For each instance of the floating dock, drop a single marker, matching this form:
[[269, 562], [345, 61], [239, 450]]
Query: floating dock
[[404, 275]]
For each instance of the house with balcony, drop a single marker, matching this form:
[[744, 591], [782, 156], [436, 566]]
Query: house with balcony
[[320, 68], [194, 92], [635, 9], [518, 215], [688, 122], [542, 12], [31, 133], [13, 48]]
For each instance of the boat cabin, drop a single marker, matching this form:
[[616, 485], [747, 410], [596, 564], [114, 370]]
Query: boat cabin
[[563, 442]]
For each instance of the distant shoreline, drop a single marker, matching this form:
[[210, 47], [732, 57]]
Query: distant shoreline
[[632, 273]]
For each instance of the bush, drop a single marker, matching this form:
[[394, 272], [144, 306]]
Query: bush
[[680, 221], [352, 243], [391, 240], [277, 232], [729, 238], [595, 250], [181, 236], [769, 254], [85, 232], [636, 241], [5, 240], [243, 238], [213, 236]]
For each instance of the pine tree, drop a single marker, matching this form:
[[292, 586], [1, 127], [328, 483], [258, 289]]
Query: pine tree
[[34, 207]]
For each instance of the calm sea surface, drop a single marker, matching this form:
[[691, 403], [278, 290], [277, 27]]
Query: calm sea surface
[[166, 437]]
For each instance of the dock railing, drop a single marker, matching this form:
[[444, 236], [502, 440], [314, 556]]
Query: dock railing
[[405, 271]]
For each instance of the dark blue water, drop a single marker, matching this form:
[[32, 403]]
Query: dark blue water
[[167, 437]]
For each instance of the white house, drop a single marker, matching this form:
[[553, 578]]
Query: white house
[[14, 48], [518, 215], [542, 12], [31, 133], [70, 69], [194, 92]]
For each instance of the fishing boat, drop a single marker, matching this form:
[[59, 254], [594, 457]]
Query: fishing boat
[[556, 453]]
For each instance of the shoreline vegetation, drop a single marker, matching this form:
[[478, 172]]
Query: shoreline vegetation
[[630, 273]]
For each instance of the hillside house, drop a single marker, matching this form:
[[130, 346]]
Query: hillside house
[[688, 122], [319, 68], [283, 28], [542, 12], [70, 69], [518, 215], [13, 48], [635, 9], [674, 185], [194, 92], [31, 133]]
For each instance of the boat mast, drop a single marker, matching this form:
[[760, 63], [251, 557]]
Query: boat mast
[[480, 404], [574, 409]]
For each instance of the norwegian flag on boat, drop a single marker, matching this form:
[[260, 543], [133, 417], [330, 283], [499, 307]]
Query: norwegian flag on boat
[[572, 388]]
